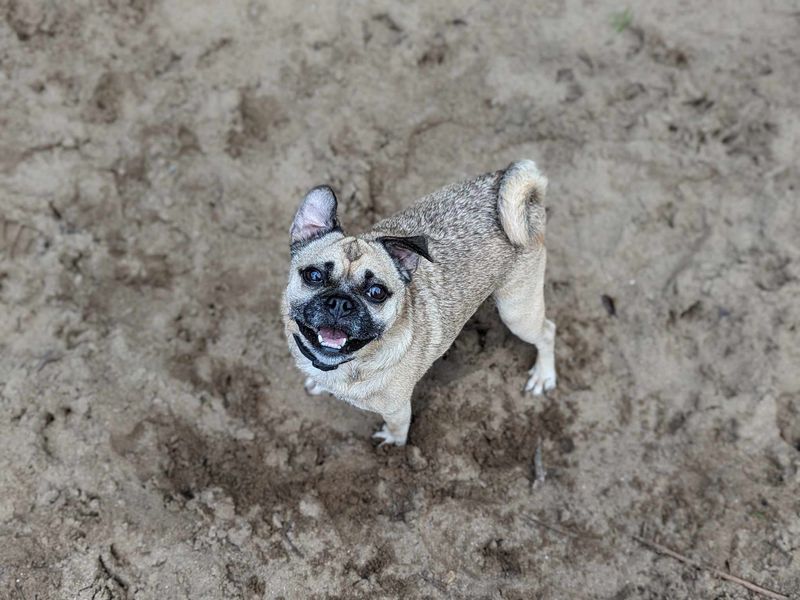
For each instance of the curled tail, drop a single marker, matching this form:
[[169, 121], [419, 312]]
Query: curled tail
[[520, 202]]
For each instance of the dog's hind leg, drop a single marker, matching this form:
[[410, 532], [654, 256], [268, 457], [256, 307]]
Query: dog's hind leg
[[520, 301]]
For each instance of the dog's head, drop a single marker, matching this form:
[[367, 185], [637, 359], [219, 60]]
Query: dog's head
[[344, 292]]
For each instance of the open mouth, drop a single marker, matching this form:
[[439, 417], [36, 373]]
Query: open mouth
[[330, 337], [332, 340]]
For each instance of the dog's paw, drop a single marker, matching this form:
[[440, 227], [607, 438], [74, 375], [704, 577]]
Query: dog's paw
[[541, 379], [313, 388], [388, 437]]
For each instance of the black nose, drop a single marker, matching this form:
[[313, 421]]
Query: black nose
[[339, 306]]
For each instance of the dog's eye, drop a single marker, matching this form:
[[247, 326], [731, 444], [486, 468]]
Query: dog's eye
[[377, 293], [312, 276]]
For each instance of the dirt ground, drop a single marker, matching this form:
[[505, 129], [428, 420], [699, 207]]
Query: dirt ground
[[155, 438]]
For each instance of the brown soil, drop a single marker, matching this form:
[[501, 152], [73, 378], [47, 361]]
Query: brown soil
[[155, 439]]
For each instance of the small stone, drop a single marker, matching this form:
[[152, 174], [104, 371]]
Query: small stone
[[244, 434], [309, 507], [224, 510], [415, 459], [239, 535], [48, 497]]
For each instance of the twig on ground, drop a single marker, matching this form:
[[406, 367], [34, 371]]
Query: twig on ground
[[429, 578], [538, 465], [50, 356], [554, 528], [655, 547], [19, 590], [716, 572], [285, 533]]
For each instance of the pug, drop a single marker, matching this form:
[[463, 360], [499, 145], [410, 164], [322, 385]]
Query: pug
[[367, 315]]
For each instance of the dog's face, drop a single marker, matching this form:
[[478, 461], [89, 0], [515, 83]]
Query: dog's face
[[344, 292]]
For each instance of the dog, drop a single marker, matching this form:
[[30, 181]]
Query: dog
[[367, 315]]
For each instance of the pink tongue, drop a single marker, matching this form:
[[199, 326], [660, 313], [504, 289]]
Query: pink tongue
[[332, 336]]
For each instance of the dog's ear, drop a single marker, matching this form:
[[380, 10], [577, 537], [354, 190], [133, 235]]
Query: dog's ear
[[315, 217], [405, 252]]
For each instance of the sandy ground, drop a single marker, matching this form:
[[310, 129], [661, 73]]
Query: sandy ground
[[155, 438]]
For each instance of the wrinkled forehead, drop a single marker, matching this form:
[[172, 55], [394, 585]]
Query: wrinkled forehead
[[354, 257], [347, 258]]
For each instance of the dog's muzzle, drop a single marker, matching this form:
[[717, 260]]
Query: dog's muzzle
[[306, 351]]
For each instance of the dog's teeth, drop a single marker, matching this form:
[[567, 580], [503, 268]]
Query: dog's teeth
[[327, 344]]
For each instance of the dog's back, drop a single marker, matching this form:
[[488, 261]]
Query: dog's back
[[476, 230]]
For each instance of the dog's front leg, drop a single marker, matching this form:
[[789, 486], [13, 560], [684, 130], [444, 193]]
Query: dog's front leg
[[313, 388], [397, 420]]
